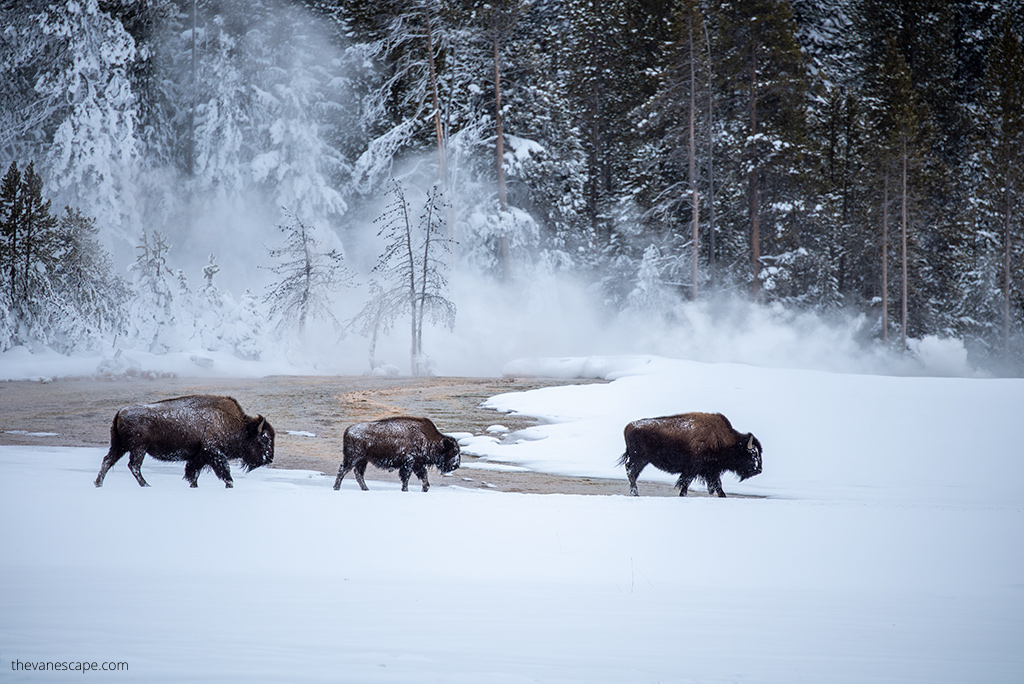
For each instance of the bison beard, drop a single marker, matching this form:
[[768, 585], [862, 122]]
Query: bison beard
[[408, 444], [205, 431], [694, 445]]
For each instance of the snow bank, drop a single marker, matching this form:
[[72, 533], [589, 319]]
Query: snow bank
[[826, 435]]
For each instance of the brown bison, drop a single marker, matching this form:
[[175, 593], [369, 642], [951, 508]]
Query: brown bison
[[202, 430], [693, 445], [408, 444]]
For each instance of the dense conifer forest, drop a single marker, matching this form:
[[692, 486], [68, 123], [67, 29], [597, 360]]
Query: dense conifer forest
[[841, 157]]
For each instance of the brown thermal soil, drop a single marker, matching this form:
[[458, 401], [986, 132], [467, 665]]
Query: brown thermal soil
[[79, 411]]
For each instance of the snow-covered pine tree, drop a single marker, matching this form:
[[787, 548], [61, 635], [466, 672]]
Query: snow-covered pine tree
[[308, 278], [672, 125], [31, 260], [408, 110], [999, 240], [222, 324], [95, 294], [83, 84], [765, 98], [152, 310]]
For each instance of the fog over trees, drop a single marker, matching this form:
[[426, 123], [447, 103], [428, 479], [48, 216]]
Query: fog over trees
[[839, 157]]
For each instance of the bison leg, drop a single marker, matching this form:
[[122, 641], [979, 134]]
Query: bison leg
[[360, 470], [192, 470], [342, 470], [135, 466], [684, 484], [715, 486], [632, 473], [405, 472], [222, 470], [421, 472], [112, 457]]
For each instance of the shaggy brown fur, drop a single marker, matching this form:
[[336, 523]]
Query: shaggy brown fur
[[204, 430], [408, 444], [693, 445]]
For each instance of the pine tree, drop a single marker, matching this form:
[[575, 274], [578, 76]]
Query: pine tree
[[1000, 150], [766, 89], [412, 266], [87, 281], [674, 123], [153, 317], [11, 216], [408, 109], [34, 260], [309, 277], [897, 146]]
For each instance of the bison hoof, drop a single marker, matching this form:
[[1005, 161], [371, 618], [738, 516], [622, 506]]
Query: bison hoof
[[228, 485]]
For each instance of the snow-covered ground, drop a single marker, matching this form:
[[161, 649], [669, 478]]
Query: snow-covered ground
[[887, 549]]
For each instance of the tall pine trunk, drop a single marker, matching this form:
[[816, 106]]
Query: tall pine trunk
[[506, 266], [442, 162], [903, 247], [711, 164], [1006, 266], [885, 258], [694, 198], [753, 197]]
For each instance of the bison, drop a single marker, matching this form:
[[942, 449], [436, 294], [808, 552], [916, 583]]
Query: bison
[[202, 430], [409, 444], [693, 445]]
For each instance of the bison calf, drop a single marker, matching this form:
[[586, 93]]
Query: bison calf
[[693, 445], [202, 430], [408, 444]]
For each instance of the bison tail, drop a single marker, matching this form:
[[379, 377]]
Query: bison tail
[[623, 458], [115, 436]]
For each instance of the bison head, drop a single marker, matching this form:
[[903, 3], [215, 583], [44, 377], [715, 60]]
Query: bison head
[[260, 451], [450, 450], [752, 465]]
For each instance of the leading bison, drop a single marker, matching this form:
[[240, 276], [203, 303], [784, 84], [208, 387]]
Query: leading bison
[[409, 444], [694, 445], [202, 430]]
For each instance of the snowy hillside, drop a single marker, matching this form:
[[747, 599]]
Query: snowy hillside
[[886, 550]]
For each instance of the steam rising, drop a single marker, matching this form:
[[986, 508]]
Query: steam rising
[[233, 206]]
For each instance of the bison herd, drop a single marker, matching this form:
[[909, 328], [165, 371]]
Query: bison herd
[[207, 431]]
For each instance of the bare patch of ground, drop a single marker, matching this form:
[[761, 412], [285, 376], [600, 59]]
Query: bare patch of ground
[[78, 412]]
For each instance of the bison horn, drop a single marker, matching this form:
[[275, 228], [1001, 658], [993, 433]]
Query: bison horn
[[263, 423], [750, 442]]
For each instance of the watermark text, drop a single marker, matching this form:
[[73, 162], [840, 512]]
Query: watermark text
[[67, 666]]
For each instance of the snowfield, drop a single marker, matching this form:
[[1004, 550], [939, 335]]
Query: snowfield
[[887, 548]]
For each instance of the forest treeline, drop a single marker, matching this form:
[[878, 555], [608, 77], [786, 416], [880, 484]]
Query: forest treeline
[[832, 155]]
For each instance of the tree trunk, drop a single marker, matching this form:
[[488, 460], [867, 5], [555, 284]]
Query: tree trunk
[[506, 266], [694, 198], [711, 166], [753, 198], [190, 148], [1006, 266], [885, 258], [414, 311], [903, 247], [442, 170]]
